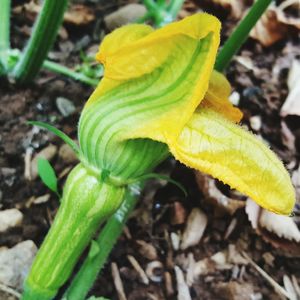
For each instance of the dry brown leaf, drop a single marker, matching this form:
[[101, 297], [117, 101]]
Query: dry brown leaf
[[195, 226], [253, 212], [236, 7], [268, 30], [291, 105], [214, 196], [282, 226], [288, 19], [79, 14], [281, 231]]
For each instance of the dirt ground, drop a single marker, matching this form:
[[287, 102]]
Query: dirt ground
[[225, 263]]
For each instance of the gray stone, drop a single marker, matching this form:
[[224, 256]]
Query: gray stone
[[125, 15], [15, 263], [10, 218]]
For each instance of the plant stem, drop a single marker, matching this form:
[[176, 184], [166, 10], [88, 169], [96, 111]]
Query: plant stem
[[57, 68], [60, 69], [41, 41], [240, 34], [4, 32], [86, 203], [174, 7], [84, 279]]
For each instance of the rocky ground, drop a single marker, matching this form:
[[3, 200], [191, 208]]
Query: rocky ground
[[214, 244]]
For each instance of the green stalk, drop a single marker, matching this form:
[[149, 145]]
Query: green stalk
[[86, 203], [4, 33], [174, 7], [56, 68], [84, 279], [42, 38], [86, 276], [240, 34]]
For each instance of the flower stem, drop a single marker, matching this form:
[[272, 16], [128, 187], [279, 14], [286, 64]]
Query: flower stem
[[84, 279], [240, 34], [4, 33], [86, 203], [57, 68], [174, 7], [41, 41]]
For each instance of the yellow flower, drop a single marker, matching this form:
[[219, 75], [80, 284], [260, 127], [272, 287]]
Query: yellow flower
[[160, 86]]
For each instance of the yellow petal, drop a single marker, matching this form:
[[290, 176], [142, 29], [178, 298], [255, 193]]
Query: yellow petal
[[142, 52], [212, 144], [151, 87], [217, 98], [157, 81], [120, 38]]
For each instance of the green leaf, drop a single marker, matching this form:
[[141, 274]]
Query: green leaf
[[57, 132], [47, 174]]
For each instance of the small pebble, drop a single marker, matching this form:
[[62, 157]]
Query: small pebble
[[255, 123], [234, 98], [65, 106], [127, 14], [67, 154], [10, 218]]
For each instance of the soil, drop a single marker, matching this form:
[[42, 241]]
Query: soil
[[162, 209]]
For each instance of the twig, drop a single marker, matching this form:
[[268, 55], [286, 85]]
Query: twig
[[117, 281], [138, 268], [9, 290], [275, 285]]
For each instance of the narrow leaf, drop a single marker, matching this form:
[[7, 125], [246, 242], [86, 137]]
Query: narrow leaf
[[47, 174], [58, 133]]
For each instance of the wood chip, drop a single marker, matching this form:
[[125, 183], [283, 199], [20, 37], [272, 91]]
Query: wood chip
[[175, 240], [139, 269], [288, 285], [183, 292], [27, 160], [47, 153], [117, 281], [147, 250], [196, 224], [291, 105], [9, 290], [230, 228], [168, 284], [268, 30], [190, 269]]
